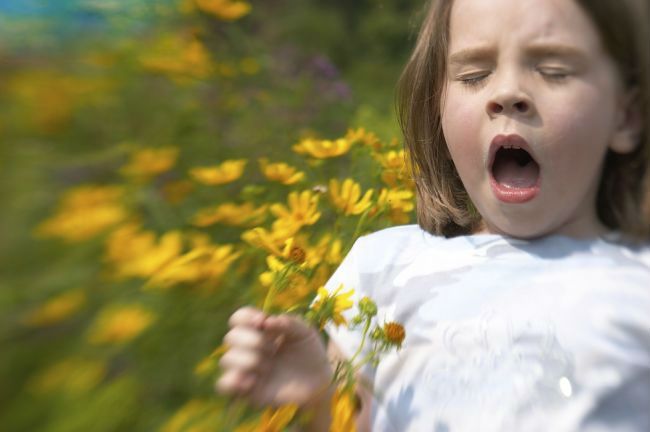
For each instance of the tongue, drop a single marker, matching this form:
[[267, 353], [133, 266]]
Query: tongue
[[507, 172]]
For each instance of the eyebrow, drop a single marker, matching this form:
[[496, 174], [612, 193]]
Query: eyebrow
[[468, 55], [485, 53], [555, 50]]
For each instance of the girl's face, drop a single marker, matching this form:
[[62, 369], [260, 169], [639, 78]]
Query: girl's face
[[532, 104]]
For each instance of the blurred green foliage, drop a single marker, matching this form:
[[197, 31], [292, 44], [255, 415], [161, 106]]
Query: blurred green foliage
[[82, 84]]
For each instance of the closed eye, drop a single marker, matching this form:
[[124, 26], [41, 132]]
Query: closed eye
[[473, 79], [553, 74]]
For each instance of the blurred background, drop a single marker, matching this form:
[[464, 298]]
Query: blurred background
[[109, 110]]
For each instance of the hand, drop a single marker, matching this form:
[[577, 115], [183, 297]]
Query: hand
[[274, 360]]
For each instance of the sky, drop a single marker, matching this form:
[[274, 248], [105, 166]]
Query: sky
[[43, 23]]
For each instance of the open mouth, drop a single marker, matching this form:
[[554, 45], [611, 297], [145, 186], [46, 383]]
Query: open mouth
[[515, 168], [514, 171]]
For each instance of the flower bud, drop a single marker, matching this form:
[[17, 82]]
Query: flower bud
[[377, 334], [367, 307]]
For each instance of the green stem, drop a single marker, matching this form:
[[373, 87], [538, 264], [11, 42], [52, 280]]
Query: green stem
[[363, 340], [337, 225], [357, 229], [268, 300], [363, 361]]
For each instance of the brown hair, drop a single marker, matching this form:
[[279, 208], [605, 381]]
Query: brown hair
[[444, 207]]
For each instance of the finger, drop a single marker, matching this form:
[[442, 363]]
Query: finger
[[245, 337], [247, 316], [243, 360], [235, 383], [288, 326]]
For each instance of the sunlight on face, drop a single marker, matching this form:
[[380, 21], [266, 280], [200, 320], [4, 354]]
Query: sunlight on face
[[532, 104]]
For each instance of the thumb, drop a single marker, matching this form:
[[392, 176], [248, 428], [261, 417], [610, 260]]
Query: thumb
[[289, 326]]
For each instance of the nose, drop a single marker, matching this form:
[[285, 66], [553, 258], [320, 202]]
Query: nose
[[515, 106], [509, 98]]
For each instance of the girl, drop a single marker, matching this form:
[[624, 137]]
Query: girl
[[525, 305]]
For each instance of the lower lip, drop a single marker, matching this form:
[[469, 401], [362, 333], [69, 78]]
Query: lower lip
[[513, 195]]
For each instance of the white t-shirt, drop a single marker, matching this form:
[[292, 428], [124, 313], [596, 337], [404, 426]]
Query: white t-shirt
[[505, 334]]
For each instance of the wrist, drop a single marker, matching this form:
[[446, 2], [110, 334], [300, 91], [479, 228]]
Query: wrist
[[317, 412]]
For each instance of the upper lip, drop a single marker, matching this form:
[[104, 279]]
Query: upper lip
[[505, 141]]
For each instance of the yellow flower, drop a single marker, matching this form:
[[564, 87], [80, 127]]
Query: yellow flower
[[179, 58], [45, 98], [398, 203], [273, 420], [197, 415], [343, 411], [280, 172], [396, 169], [392, 160], [276, 267], [368, 139], [271, 241], [287, 288], [326, 250], [394, 333], [333, 255], [302, 209], [226, 172], [72, 375], [56, 309], [84, 212], [328, 306], [296, 291], [206, 366], [298, 252], [231, 214], [136, 253], [226, 10], [149, 162], [323, 149], [397, 199], [277, 419], [294, 252], [119, 324], [209, 364], [347, 197], [202, 264]]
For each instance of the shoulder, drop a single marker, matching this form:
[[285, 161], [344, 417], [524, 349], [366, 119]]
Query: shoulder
[[601, 273], [627, 255], [393, 244], [641, 254], [396, 236]]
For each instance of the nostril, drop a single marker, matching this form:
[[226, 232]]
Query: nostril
[[495, 107], [522, 107]]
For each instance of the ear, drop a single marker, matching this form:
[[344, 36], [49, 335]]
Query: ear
[[630, 124]]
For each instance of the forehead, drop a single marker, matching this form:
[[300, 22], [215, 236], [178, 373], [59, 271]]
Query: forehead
[[481, 22]]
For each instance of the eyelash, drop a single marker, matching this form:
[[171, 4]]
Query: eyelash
[[552, 76], [473, 81]]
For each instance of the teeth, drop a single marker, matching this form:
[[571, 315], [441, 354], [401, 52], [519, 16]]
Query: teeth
[[508, 146]]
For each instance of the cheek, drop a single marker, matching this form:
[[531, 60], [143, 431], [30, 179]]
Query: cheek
[[571, 143], [460, 126]]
